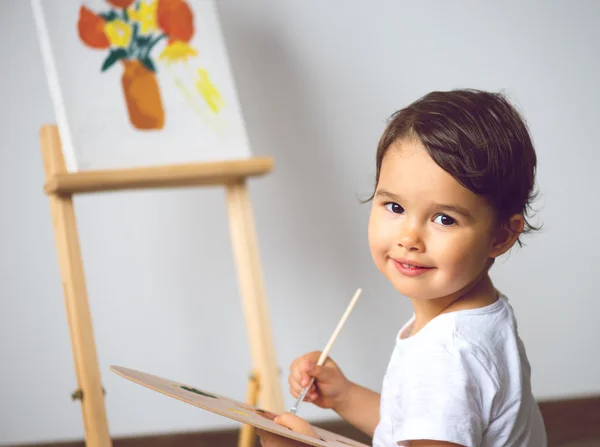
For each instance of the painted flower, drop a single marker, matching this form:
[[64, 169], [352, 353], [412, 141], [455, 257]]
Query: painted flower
[[208, 91], [121, 3], [177, 51], [145, 15], [119, 33], [90, 27], [176, 19]]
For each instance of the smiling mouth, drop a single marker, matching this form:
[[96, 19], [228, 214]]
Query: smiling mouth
[[412, 266], [409, 268]]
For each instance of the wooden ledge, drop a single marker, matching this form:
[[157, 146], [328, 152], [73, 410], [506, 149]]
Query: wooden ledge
[[214, 173], [60, 182]]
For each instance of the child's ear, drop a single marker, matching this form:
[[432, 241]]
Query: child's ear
[[506, 235]]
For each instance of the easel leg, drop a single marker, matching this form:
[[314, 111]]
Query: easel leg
[[76, 302], [247, 260], [247, 435]]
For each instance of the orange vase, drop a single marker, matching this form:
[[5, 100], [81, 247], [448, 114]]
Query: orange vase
[[142, 95]]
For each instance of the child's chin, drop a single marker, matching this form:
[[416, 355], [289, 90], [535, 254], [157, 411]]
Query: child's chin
[[418, 293]]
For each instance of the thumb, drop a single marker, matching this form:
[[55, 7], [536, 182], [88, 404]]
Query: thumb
[[296, 424]]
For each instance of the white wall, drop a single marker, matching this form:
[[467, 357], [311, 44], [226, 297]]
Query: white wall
[[317, 81]]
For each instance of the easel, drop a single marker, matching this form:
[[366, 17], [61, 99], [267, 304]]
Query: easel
[[61, 186]]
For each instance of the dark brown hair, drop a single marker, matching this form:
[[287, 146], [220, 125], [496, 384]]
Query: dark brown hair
[[477, 137]]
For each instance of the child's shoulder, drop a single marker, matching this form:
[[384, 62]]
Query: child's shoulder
[[487, 327], [487, 335], [482, 326]]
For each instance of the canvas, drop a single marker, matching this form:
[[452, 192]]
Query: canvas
[[139, 82], [232, 409]]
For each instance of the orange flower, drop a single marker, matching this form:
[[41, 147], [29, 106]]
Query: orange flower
[[176, 19], [91, 29], [121, 3]]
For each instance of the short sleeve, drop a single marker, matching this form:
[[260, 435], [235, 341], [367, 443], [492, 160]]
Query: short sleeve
[[440, 398]]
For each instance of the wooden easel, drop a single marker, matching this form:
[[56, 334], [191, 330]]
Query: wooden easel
[[61, 186]]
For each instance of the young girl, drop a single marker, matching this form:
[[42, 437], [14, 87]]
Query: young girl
[[455, 179]]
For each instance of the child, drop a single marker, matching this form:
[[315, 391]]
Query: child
[[455, 179]]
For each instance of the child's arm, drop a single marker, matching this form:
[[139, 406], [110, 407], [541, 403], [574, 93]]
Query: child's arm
[[331, 389], [360, 408]]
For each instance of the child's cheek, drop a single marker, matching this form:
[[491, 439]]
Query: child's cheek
[[455, 251]]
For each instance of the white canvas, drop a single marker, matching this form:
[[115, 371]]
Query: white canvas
[[187, 110]]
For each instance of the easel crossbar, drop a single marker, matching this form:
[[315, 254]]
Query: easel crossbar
[[165, 176]]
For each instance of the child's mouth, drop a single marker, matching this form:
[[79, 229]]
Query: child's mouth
[[410, 269]]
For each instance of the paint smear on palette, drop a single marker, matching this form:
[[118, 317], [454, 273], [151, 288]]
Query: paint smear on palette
[[243, 413], [265, 414], [194, 390]]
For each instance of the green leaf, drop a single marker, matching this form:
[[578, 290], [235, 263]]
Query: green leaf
[[109, 16], [142, 41], [148, 63], [194, 390], [113, 57]]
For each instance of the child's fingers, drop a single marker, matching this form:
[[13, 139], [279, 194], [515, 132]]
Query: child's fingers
[[296, 373], [294, 379], [298, 378], [311, 396], [296, 424], [296, 389], [305, 380], [300, 373]]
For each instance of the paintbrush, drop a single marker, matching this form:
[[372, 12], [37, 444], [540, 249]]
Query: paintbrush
[[325, 352]]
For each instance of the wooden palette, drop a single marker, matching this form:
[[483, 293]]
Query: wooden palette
[[229, 408]]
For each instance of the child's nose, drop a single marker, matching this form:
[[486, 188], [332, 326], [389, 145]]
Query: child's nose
[[410, 238]]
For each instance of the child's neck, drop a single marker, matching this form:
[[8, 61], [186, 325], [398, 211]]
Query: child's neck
[[478, 294]]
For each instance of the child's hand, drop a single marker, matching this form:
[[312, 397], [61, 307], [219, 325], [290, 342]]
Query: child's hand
[[330, 386], [268, 439]]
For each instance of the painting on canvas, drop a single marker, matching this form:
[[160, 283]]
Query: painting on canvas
[[139, 82]]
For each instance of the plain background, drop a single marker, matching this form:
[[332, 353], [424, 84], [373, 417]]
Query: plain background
[[317, 81]]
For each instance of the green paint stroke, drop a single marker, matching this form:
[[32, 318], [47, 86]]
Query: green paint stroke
[[194, 390]]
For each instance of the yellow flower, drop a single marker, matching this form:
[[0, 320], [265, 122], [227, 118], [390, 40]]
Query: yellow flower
[[118, 33], [146, 16], [177, 51], [208, 90]]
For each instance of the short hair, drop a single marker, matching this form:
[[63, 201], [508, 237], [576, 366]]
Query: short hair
[[480, 139]]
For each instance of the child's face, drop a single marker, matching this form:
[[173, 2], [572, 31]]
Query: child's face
[[421, 215]]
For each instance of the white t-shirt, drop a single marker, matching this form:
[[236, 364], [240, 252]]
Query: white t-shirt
[[463, 378]]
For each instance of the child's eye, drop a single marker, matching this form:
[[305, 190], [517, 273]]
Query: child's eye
[[394, 208], [445, 220]]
